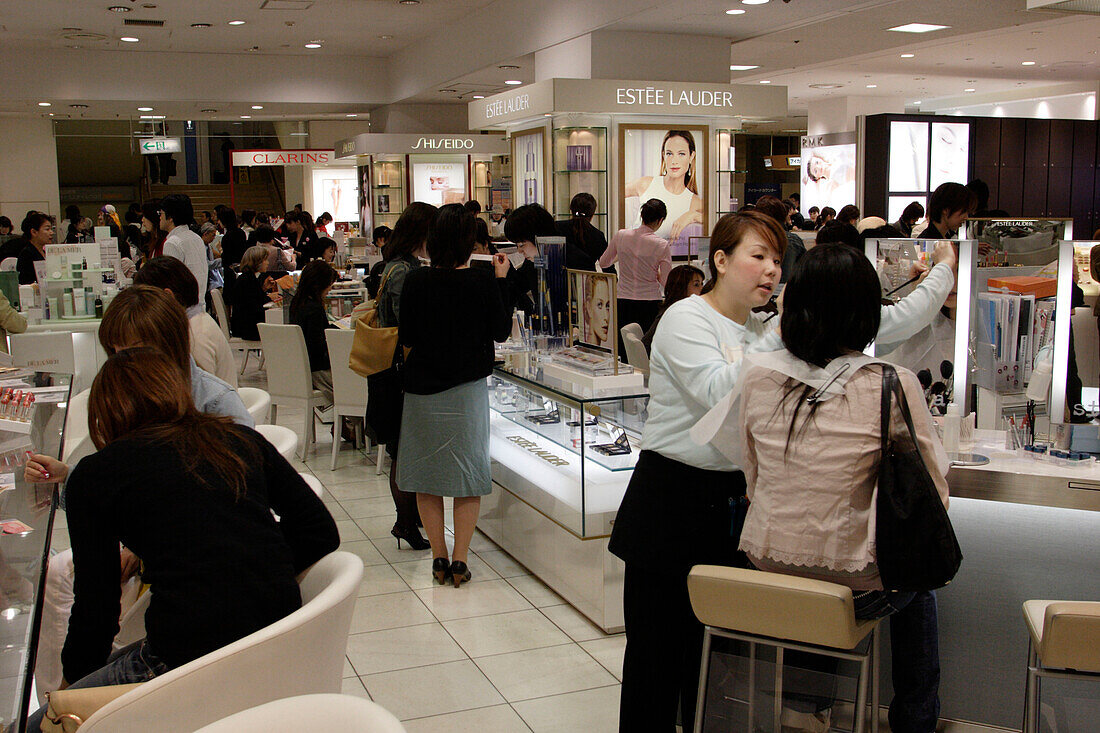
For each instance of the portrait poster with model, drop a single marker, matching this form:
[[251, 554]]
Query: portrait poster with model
[[666, 163], [828, 176], [366, 220], [439, 183], [527, 162], [336, 190], [593, 319]]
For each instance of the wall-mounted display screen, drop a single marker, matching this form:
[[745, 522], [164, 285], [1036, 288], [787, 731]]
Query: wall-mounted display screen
[[908, 156], [440, 182], [336, 190], [923, 156], [950, 153], [828, 176]]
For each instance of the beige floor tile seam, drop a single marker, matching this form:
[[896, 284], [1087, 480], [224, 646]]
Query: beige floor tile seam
[[470, 710], [393, 628]]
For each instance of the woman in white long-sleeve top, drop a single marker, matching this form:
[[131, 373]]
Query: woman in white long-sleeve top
[[679, 506]]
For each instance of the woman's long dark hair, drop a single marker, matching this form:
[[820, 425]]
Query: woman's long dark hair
[[582, 207], [142, 395], [831, 307], [411, 230], [315, 277], [676, 285]]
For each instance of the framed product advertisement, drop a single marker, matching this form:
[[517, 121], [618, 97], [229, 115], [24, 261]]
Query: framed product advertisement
[[529, 167], [828, 176], [593, 315], [668, 163], [440, 182]]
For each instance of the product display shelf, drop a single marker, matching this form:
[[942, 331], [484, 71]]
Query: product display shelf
[[556, 497], [387, 196], [580, 165], [725, 170]]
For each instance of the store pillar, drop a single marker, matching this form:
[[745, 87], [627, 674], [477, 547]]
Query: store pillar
[[28, 176]]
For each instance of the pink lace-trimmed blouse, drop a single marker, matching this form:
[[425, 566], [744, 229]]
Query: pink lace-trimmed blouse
[[812, 504]]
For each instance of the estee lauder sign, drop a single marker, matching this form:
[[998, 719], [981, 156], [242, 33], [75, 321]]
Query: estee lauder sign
[[533, 447], [673, 97], [508, 105], [400, 144]]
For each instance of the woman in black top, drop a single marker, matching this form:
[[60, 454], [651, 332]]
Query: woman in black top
[[307, 310], [584, 243], [234, 241], [450, 316], [195, 503], [248, 297]]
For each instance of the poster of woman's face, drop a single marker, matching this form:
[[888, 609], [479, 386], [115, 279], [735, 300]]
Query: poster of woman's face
[[828, 176], [439, 183], [592, 309], [668, 164]]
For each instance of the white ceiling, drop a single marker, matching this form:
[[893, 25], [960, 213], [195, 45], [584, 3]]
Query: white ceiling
[[460, 44]]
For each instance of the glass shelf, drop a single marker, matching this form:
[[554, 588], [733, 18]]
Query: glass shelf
[[586, 170], [580, 150]]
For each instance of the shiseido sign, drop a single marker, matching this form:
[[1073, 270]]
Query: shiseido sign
[[448, 143], [370, 143]]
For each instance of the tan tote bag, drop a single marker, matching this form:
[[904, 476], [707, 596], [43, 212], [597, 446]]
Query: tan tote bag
[[66, 710]]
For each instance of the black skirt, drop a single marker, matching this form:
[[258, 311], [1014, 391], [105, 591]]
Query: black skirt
[[674, 516]]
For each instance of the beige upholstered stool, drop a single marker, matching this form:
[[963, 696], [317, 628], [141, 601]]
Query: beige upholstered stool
[[1064, 644], [785, 612]]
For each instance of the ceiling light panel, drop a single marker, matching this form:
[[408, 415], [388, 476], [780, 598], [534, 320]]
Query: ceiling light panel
[[918, 28], [743, 67]]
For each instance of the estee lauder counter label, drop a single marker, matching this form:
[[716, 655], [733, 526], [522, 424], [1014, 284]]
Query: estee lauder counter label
[[517, 103], [533, 447]]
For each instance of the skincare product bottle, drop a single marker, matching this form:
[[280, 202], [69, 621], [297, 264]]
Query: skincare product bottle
[[89, 302], [98, 307], [53, 308], [79, 308], [67, 303]]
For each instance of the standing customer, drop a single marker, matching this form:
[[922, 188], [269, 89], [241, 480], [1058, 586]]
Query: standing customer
[[677, 509], [385, 390], [209, 348], [37, 233], [234, 240], [584, 243], [307, 310], [948, 209], [644, 262], [450, 317], [811, 468], [176, 216], [183, 469]]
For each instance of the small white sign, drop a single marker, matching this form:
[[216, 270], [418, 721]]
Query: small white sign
[[156, 145]]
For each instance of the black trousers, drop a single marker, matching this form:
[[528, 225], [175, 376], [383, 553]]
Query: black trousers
[[642, 312], [664, 645]]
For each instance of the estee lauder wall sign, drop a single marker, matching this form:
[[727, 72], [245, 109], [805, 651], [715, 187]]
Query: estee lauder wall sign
[[673, 97], [533, 447]]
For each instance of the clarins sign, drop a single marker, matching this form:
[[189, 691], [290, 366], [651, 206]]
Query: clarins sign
[[401, 144], [246, 158]]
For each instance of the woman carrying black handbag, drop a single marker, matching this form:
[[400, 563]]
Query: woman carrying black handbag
[[820, 473], [385, 395]]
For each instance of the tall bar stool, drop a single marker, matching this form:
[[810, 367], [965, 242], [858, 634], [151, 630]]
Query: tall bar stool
[[785, 612], [1064, 644]]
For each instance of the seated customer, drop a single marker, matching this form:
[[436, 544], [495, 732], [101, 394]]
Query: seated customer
[[683, 280], [184, 470], [812, 468], [209, 348], [248, 297], [307, 310]]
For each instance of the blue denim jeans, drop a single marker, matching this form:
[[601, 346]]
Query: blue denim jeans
[[914, 651], [134, 663]]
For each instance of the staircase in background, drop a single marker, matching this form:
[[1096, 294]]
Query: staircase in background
[[258, 196]]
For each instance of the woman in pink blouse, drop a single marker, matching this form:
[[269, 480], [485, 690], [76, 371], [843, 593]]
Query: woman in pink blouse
[[644, 262], [811, 466]]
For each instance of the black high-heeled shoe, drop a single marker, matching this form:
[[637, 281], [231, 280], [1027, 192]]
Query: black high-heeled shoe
[[441, 569], [460, 573], [412, 537]]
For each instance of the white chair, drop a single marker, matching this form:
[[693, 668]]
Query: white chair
[[289, 380], [257, 402], [284, 439], [301, 654], [314, 483], [310, 712], [235, 343], [636, 355], [632, 328], [131, 627], [9, 264], [349, 390]]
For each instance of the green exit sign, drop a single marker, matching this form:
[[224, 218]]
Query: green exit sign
[[155, 145]]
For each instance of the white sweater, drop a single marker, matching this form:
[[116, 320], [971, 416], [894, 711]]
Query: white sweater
[[210, 349]]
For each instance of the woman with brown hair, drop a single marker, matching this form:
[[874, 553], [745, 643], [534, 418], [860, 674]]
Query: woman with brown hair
[[184, 470]]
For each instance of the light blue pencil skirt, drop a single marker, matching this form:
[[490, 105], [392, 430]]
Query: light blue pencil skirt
[[445, 442]]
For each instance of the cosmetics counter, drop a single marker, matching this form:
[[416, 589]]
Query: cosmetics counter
[[396, 169]]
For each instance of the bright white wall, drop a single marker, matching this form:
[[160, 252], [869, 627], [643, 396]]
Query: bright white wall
[[1070, 107], [28, 168]]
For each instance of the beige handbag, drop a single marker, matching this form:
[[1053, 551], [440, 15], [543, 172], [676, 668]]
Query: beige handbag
[[66, 710], [373, 347]]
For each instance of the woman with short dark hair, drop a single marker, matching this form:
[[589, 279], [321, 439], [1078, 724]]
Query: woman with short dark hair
[[307, 310], [948, 209], [584, 243], [644, 260]]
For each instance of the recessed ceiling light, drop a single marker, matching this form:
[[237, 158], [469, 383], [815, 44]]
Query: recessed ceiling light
[[743, 67], [257, 106], [872, 86], [447, 91], [150, 117], [352, 114], [209, 110], [1027, 63], [144, 109], [513, 82], [908, 55], [917, 102], [735, 11], [918, 28], [129, 39], [200, 25], [246, 117], [969, 90], [408, 2], [51, 114], [479, 96], [313, 44], [236, 22], [825, 86], [79, 106], [293, 134], [45, 104], [507, 67], [385, 37], [119, 9], [754, 2], [765, 81]]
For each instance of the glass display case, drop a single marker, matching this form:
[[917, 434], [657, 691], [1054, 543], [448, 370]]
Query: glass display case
[[725, 170], [388, 196], [481, 191], [580, 166]]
